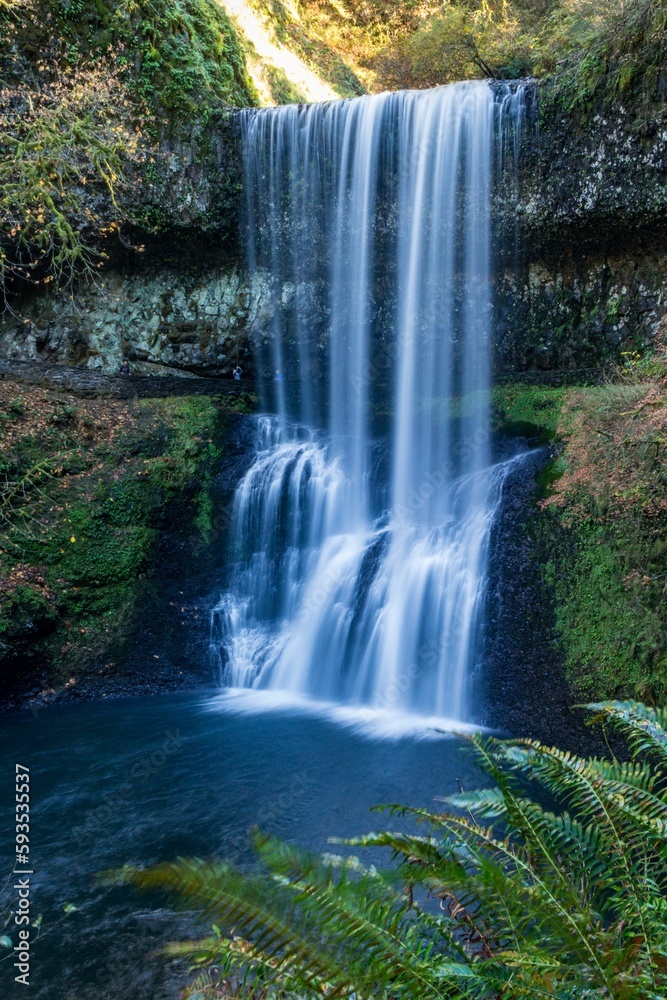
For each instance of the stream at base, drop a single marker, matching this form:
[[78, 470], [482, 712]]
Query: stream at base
[[153, 779]]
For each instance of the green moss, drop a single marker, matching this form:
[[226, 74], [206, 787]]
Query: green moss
[[91, 552], [603, 535], [100, 83], [301, 35], [204, 520], [528, 411], [181, 55], [90, 534], [609, 618], [609, 54], [193, 441], [283, 91], [26, 611], [549, 475]]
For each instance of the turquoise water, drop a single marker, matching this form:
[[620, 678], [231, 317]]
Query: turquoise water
[[151, 779]]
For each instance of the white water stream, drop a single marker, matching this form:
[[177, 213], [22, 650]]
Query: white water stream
[[355, 585]]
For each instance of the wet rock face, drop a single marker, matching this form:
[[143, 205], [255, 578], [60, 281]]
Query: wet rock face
[[579, 312], [585, 181], [611, 176], [580, 241], [569, 313], [201, 322], [581, 234]]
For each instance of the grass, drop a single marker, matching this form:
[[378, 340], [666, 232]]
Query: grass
[[533, 412]]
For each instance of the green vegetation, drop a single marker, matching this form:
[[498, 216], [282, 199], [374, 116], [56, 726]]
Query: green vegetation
[[528, 411], [302, 29], [602, 525], [595, 46], [85, 489], [612, 49], [66, 137], [178, 55], [86, 89], [561, 900], [609, 606]]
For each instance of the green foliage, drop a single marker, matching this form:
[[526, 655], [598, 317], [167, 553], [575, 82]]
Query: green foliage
[[188, 53], [528, 411], [299, 27], [601, 534], [283, 91], [79, 519], [22, 493], [566, 900], [52, 144], [25, 610], [203, 521], [609, 616], [180, 55], [464, 41], [87, 550], [610, 47], [85, 90]]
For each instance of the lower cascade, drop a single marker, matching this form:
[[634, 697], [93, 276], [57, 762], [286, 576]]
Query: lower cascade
[[360, 534]]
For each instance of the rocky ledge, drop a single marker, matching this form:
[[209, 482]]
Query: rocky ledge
[[580, 238]]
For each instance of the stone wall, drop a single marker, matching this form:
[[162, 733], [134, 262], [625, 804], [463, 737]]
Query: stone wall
[[584, 181], [555, 313]]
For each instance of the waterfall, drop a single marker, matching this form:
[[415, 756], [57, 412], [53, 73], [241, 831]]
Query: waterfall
[[360, 551]]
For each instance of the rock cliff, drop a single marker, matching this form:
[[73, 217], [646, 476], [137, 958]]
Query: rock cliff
[[581, 240]]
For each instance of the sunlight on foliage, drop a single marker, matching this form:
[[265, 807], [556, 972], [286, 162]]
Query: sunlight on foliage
[[607, 45]]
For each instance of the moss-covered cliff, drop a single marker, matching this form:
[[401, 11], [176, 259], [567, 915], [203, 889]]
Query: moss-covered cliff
[[580, 243], [101, 105], [101, 501], [599, 529]]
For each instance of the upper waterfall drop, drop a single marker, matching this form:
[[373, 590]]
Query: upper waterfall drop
[[360, 577]]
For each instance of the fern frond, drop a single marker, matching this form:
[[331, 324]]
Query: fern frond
[[487, 802], [500, 897], [645, 728], [277, 938], [242, 905]]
